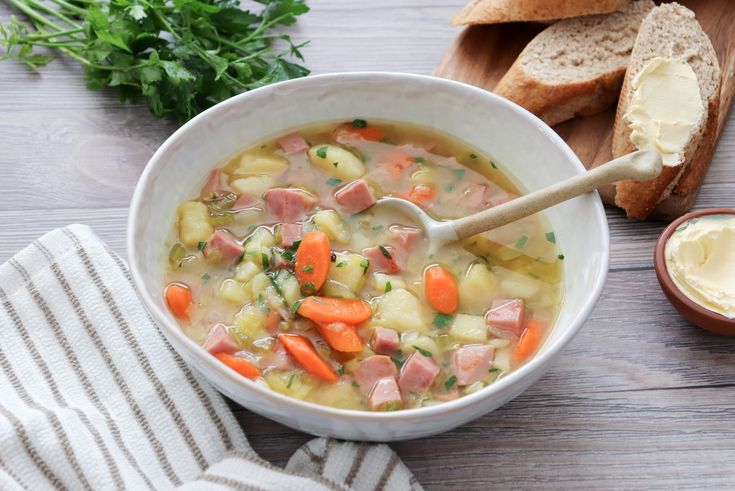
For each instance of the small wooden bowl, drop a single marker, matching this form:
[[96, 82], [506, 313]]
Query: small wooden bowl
[[693, 312]]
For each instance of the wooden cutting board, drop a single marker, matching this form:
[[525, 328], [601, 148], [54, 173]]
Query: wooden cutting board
[[481, 55]]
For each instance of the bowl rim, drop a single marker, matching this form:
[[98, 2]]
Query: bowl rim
[[170, 328], [662, 272]]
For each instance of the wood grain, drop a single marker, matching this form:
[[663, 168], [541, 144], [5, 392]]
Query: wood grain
[[639, 400], [482, 54]]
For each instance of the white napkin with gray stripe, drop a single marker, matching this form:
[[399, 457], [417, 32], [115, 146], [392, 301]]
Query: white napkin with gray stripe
[[92, 396]]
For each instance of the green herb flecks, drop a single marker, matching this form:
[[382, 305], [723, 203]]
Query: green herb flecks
[[377, 228], [342, 264], [385, 252], [341, 370], [265, 260], [441, 321], [308, 287], [179, 58], [290, 380], [364, 264], [551, 237], [560, 257], [473, 156], [333, 181], [359, 123], [492, 164], [262, 305], [201, 245], [459, 173], [308, 268], [295, 306], [388, 287], [423, 351], [521, 242], [449, 187], [206, 277], [450, 382], [321, 152]]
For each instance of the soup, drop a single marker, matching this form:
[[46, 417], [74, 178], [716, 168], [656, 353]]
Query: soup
[[283, 270]]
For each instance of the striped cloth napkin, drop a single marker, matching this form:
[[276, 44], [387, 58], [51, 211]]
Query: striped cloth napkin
[[94, 398]]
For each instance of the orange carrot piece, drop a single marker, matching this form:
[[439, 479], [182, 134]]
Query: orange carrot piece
[[326, 310], [178, 298], [340, 336], [529, 341], [241, 366], [304, 353], [422, 195], [312, 261], [371, 133], [441, 289]]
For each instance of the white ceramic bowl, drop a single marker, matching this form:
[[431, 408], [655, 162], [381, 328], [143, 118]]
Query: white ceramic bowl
[[524, 146]]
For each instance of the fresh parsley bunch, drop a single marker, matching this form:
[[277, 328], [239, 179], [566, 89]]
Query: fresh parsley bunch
[[179, 56]]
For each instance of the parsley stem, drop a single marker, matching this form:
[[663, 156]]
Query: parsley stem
[[52, 12], [263, 26], [38, 37], [56, 44], [70, 7]]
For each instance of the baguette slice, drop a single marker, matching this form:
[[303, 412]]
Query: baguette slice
[[670, 31], [576, 66], [499, 11]]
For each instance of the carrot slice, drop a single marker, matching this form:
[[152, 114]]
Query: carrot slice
[[303, 351], [371, 133], [178, 298], [529, 341], [340, 336], [243, 367], [422, 195], [312, 261], [441, 289], [326, 309]]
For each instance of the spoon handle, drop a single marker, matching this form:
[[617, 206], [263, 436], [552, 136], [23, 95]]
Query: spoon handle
[[640, 165]]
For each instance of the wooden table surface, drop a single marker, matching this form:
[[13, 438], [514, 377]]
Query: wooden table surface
[[640, 399]]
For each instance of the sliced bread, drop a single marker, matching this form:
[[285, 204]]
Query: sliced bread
[[576, 66], [669, 31], [499, 11]]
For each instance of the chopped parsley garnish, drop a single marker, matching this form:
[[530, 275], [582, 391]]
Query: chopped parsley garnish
[[521, 242], [494, 370], [449, 187], [341, 370], [333, 181], [342, 264], [450, 382], [290, 380], [378, 228], [296, 245], [264, 258], [423, 351], [419, 160], [206, 277], [261, 304], [365, 264], [458, 173], [441, 321], [307, 269], [355, 384], [240, 258], [288, 255], [308, 286], [201, 245], [321, 152], [336, 164], [385, 252], [388, 286], [560, 257], [398, 359], [551, 237], [295, 306], [359, 123], [473, 156], [492, 164]]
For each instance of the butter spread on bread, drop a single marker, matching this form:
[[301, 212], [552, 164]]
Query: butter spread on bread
[[665, 108]]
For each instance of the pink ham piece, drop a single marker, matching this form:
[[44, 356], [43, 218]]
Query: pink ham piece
[[245, 201], [418, 373], [290, 233], [475, 197], [384, 395], [471, 363], [385, 341], [293, 143], [289, 205], [506, 318], [214, 187], [380, 262], [355, 197], [219, 341], [373, 368], [278, 358], [405, 237], [223, 247]]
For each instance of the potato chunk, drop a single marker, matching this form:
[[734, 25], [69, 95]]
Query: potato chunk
[[349, 270], [475, 289], [329, 222], [234, 291], [469, 329], [255, 185], [337, 162], [399, 309], [333, 288], [381, 280], [272, 165], [194, 226], [246, 270], [250, 324], [290, 383]]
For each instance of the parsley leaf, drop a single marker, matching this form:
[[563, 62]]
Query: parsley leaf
[[423, 351], [551, 237], [388, 286], [290, 380], [459, 173], [295, 306], [560, 257], [364, 264], [264, 260], [450, 382], [521, 242], [342, 264], [359, 123], [333, 181], [385, 252], [201, 245], [441, 321], [321, 152], [206, 277], [308, 268]]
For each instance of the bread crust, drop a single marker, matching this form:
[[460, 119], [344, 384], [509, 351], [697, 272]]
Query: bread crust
[[499, 11]]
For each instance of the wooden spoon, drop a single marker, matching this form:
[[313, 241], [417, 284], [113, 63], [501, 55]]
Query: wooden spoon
[[644, 164]]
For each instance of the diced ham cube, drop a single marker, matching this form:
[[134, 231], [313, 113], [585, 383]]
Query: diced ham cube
[[384, 394], [223, 247], [289, 205], [219, 341], [278, 358], [290, 233], [506, 318], [418, 373], [245, 201], [373, 368], [385, 260], [498, 196], [293, 143], [471, 363], [475, 197], [355, 197], [214, 187], [385, 341], [405, 237]]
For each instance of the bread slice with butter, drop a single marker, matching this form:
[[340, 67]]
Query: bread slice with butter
[[657, 109], [576, 66], [499, 11]]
